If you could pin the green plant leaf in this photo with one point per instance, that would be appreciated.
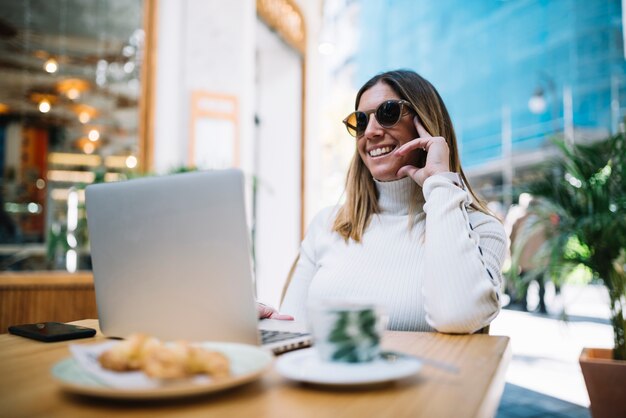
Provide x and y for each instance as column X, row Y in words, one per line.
column 581, row 203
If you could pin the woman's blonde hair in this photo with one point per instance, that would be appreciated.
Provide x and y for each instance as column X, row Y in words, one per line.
column 354, row 215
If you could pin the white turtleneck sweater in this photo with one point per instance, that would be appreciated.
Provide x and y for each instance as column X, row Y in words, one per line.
column 444, row 274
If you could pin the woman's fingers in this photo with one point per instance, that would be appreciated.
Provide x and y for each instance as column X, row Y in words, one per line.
column 423, row 141
column 421, row 131
column 282, row 317
column 265, row 312
column 437, row 155
column 413, row 145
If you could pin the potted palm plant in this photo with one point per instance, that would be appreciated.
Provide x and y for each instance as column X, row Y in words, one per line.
column 581, row 199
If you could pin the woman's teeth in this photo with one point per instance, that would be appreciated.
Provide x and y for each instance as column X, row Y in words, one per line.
column 380, row 151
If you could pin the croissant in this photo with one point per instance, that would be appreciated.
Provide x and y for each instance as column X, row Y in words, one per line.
column 164, row 361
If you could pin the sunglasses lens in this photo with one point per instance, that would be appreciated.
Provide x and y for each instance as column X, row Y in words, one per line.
column 388, row 113
column 350, row 123
column 356, row 123
column 361, row 122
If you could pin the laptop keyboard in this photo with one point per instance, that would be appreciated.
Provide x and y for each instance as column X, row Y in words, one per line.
column 269, row 337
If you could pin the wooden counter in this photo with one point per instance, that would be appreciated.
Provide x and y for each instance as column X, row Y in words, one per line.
column 45, row 296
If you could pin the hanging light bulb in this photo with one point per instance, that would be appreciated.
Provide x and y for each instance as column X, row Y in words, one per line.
column 84, row 117
column 73, row 94
column 89, row 148
column 326, row 45
column 129, row 67
column 84, row 113
column 94, row 135
column 537, row 102
column 51, row 66
column 131, row 161
column 44, row 106
column 72, row 88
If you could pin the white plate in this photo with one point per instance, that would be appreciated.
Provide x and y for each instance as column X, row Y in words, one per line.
column 306, row 366
column 247, row 364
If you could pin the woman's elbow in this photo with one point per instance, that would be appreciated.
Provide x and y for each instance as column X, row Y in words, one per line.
column 464, row 321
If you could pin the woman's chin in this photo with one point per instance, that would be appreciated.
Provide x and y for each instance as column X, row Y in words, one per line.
column 386, row 168
column 386, row 175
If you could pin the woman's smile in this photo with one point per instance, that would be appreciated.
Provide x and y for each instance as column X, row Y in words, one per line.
column 381, row 151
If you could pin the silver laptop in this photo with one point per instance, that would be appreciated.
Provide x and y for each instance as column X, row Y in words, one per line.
column 171, row 258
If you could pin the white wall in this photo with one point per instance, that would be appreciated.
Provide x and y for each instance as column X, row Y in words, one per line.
column 201, row 45
column 278, row 93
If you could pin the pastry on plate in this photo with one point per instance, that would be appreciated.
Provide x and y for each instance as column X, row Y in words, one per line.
column 164, row 360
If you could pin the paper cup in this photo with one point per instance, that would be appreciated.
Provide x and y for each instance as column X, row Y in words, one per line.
column 347, row 332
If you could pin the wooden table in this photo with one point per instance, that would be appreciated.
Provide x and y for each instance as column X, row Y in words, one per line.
column 27, row 388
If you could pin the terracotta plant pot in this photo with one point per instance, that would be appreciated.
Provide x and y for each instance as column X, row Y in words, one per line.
column 605, row 379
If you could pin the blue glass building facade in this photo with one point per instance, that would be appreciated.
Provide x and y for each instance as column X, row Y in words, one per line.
column 485, row 56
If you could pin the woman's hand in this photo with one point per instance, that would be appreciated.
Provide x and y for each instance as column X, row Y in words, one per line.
column 267, row 312
column 437, row 155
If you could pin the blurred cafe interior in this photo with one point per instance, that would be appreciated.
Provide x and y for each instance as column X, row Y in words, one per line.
column 110, row 90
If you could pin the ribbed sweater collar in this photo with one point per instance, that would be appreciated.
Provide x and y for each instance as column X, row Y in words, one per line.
column 394, row 196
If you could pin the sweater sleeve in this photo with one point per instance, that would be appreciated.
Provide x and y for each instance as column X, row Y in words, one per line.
column 295, row 302
column 464, row 253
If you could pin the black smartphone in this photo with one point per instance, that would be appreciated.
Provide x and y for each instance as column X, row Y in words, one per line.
column 52, row 331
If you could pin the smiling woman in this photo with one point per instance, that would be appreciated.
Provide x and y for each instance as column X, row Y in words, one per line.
column 73, row 110
column 411, row 237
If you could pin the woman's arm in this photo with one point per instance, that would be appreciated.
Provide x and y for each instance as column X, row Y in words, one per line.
column 463, row 260
column 295, row 301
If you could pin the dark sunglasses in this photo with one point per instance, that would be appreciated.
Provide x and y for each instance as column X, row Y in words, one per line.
column 388, row 113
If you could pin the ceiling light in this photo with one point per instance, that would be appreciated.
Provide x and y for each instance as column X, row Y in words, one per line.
column 537, row 102
column 33, row 207
column 89, row 148
column 44, row 106
column 51, row 66
column 94, row 135
column 84, row 116
column 128, row 51
column 131, row 161
column 86, row 146
column 72, row 87
column 43, row 101
column 73, row 94
column 84, row 112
